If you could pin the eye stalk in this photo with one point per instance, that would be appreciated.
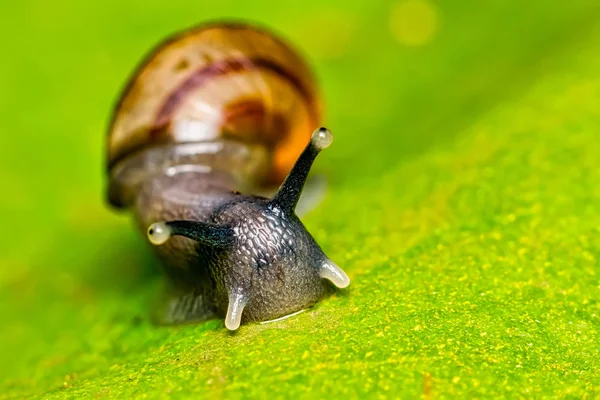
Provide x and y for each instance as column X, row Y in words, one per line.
column 203, row 232
column 289, row 192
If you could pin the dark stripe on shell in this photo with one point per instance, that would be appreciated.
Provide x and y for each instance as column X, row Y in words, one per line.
column 222, row 68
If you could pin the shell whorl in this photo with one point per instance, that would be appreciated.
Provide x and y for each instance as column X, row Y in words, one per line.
column 218, row 82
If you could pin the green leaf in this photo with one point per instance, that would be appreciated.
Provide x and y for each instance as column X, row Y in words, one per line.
column 463, row 203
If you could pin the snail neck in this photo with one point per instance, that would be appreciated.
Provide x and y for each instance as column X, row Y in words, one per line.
column 182, row 192
column 229, row 164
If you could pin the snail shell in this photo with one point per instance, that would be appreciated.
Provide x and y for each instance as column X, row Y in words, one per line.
column 226, row 95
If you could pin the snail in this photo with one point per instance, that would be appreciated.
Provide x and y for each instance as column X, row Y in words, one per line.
column 213, row 112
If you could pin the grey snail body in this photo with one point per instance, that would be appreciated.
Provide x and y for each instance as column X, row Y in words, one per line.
column 215, row 111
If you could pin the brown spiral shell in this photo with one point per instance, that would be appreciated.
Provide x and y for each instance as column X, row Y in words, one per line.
column 218, row 81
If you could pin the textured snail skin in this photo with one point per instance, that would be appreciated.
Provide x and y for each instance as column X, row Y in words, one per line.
column 271, row 259
column 226, row 254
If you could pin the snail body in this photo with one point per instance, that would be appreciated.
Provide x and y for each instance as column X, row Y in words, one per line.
column 213, row 112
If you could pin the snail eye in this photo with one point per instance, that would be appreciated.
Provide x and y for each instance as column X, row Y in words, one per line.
column 322, row 138
column 159, row 233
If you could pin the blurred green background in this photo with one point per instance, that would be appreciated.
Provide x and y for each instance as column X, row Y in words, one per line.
column 463, row 204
